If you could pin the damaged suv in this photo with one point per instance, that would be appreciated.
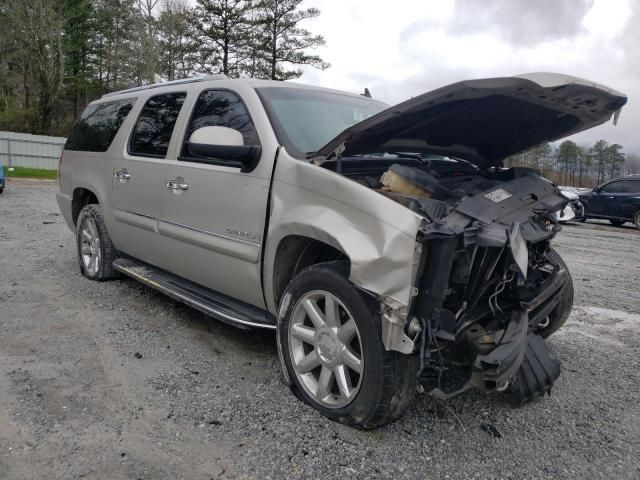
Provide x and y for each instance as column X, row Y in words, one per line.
column 386, row 245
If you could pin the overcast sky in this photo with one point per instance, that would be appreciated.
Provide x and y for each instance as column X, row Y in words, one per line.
column 399, row 49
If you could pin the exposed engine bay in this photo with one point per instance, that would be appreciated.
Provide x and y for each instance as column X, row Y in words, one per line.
column 489, row 287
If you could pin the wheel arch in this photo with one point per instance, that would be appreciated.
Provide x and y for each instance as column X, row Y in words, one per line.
column 294, row 253
column 79, row 199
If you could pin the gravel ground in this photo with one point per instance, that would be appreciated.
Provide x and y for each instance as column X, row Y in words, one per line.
column 113, row 380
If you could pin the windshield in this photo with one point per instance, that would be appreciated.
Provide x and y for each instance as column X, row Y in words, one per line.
column 305, row 120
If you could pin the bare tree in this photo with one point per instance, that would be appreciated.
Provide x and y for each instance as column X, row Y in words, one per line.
column 631, row 165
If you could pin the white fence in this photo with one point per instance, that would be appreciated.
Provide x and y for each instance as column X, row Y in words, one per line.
column 32, row 151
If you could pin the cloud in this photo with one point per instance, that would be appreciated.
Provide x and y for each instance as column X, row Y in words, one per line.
column 402, row 49
column 521, row 22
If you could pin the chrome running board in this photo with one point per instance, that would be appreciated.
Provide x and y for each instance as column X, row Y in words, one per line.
column 214, row 304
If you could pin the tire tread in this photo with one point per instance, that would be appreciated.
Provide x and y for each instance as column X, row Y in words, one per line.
column 561, row 313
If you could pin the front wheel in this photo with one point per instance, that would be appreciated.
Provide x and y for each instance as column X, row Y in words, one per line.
column 636, row 220
column 330, row 344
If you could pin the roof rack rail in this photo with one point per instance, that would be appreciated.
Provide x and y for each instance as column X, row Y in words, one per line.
column 217, row 76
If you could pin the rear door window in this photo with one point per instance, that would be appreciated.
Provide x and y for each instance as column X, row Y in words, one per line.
column 220, row 108
column 98, row 125
column 152, row 132
column 630, row 186
column 614, row 187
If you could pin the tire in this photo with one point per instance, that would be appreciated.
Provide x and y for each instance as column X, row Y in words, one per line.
column 560, row 314
column 383, row 389
column 616, row 223
column 636, row 220
column 583, row 217
column 96, row 253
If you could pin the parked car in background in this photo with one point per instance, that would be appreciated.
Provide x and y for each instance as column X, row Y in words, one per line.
column 1, row 179
column 617, row 201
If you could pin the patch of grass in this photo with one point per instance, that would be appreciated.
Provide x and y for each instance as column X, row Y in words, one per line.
column 24, row 172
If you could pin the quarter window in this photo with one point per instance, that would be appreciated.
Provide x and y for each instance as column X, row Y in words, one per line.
column 98, row 125
column 152, row 132
column 221, row 108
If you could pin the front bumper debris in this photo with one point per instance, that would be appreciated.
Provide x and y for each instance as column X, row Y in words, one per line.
column 492, row 370
column 538, row 370
column 485, row 287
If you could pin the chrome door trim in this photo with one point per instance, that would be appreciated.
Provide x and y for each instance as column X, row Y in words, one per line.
column 213, row 234
column 140, row 214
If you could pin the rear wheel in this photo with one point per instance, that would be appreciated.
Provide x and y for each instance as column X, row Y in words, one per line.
column 616, row 223
column 636, row 220
column 558, row 317
column 330, row 344
column 96, row 253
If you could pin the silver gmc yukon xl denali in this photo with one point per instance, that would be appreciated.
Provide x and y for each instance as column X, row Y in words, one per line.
column 386, row 245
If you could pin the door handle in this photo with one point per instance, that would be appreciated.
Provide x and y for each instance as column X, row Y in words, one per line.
column 122, row 175
column 177, row 184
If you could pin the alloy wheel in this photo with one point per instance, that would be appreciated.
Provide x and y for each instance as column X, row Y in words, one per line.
column 90, row 246
column 326, row 349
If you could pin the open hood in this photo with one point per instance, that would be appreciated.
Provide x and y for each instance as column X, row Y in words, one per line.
column 482, row 121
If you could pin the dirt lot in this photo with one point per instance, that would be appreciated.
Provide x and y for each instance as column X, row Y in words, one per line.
column 113, row 380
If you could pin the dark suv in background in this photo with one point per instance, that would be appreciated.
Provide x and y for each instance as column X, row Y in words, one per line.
column 617, row 201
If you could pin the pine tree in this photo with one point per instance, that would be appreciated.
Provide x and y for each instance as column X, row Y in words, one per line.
column 177, row 50
column 283, row 42
column 600, row 156
column 224, row 35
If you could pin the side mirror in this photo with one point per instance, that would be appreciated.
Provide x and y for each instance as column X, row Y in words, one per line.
column 223, row 143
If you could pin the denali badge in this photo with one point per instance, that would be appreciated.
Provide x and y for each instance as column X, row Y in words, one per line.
column 240, row 233
column 498, row 195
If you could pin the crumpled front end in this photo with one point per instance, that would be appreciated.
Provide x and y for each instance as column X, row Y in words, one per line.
column 488, row 286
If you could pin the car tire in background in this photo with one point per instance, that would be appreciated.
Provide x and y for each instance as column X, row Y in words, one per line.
column 558, row 317
column 636, row 220
column 96, row 253
column 616, row 223
column 583, row 217
column 330, row 345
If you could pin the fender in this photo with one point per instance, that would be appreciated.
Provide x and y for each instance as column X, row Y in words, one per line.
column 377, row 234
